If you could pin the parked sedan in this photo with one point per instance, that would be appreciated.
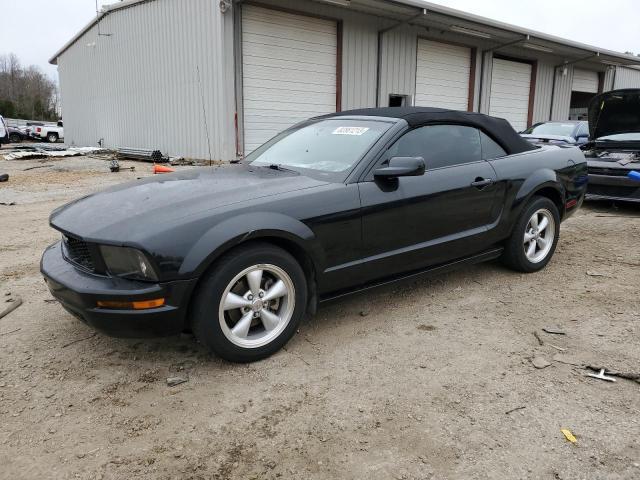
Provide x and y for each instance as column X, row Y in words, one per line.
column 614, row 121
column 336, row 204
column 570, row 132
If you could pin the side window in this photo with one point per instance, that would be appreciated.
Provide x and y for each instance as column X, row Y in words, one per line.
column 490, row 149
column 440, row 145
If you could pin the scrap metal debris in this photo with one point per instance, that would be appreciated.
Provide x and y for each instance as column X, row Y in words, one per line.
column 601, row 376
column 154, row 156
column 626, row 375
column 45, row 151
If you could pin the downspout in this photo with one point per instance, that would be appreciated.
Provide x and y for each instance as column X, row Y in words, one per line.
column 423, row 12
column 493, row 49
column 555, row 76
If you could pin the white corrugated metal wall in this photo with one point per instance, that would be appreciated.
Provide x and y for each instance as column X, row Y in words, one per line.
column 139, row 86
column 162, row 42
column 627, row 78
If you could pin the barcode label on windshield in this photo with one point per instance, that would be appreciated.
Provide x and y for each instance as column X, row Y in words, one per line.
column 350, row 130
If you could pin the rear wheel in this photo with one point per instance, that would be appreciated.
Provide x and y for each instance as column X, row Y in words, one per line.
column 534, row 237
column 52, row 137
column 15, row 138
column 250, row 303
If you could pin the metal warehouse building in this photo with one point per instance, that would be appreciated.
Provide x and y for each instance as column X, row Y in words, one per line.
column 209, row 78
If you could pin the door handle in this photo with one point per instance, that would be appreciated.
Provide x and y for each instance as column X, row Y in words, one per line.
column 480, row 182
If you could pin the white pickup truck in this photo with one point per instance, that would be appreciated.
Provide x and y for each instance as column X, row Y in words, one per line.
column 52, row 133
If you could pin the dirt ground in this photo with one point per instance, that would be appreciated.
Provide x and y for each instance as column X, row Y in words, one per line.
column 413, row 381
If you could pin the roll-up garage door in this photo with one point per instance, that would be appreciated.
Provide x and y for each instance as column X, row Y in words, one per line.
column 585, row 81
column 510, row 87
column 289, row 71
column 442, row 75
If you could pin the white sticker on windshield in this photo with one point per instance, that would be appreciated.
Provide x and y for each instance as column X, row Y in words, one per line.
column 350, row 130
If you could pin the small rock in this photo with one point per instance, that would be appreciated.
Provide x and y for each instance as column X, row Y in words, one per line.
column 553, row 330
column 80, row 455
column 540, row 362
column 177, row 380
column 426, row 328
column 364, row 313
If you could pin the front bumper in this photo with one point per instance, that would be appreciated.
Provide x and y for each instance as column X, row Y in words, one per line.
column 79, row 292
column 613, row 187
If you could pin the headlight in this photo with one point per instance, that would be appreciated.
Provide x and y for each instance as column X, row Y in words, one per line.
column 127, row 262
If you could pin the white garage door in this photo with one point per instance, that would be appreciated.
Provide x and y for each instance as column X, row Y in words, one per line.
column 288, row 71
column 442, row 75
column 510, row 86
column 585, row 81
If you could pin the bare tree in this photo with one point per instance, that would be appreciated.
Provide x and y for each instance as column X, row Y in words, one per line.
column 26, row 92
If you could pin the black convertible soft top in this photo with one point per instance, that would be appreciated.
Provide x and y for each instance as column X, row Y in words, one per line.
column 497, row 128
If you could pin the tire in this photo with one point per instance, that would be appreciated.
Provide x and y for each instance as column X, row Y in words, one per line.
column 519, row 253
column 52, row 137
column 247, row 329
column 15, row 138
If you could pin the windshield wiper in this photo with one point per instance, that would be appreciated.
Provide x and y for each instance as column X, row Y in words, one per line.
column 280, row 168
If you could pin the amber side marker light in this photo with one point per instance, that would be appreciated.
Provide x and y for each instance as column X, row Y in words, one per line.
column 142, row 305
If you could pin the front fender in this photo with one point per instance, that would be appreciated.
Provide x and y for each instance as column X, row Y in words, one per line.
column 249, row 226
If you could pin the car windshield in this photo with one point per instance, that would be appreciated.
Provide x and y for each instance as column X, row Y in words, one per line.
column 622, row 137
column 330, row 146
column 552, row 128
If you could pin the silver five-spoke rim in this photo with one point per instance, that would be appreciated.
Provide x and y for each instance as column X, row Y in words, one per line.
column 539, row 235
column 257, row 306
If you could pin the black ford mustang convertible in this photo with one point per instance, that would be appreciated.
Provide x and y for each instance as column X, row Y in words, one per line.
column 336, row 204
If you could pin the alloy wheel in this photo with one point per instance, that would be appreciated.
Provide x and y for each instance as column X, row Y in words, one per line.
column 539, row 235
column 257, row 306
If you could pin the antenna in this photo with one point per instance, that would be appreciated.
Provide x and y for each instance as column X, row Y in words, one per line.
column 204, row 113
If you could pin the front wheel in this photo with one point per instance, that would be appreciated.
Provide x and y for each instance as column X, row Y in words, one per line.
column 250, row 303
column 535, row 236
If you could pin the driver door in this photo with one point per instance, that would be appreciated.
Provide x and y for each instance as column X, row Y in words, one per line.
column 410, row 223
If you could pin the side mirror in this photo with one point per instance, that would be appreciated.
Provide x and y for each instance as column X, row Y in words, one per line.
column 401, row 167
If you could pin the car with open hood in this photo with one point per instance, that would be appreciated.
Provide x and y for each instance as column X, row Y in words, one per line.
column 333, row 205
column 614, row 147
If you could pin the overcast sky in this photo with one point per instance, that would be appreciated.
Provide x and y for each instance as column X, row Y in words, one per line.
column 35, row 29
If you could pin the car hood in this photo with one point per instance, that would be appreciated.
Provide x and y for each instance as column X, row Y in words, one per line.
column 135, row 210
column 617, row 111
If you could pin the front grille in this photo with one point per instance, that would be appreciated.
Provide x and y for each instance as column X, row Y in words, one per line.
column 78, row 252
column 611, row 172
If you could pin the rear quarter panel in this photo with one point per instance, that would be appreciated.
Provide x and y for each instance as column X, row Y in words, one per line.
column 563, row 169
